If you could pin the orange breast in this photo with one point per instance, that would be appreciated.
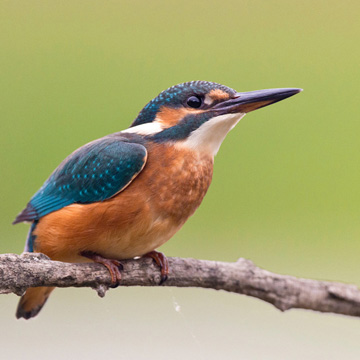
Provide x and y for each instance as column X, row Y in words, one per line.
column 139, row 219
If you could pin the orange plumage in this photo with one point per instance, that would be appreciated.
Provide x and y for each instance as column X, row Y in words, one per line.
column 132, row 223
column 137, row 220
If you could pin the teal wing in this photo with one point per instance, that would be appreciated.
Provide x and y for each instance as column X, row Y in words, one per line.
column 94, row 172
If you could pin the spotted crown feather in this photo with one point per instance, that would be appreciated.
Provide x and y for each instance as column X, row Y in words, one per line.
column 175, row 96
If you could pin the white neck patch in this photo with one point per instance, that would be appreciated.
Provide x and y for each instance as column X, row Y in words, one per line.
column 151, row 128
column 209, row 136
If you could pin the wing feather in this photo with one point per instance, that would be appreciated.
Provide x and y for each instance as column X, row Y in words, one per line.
column 95, row 172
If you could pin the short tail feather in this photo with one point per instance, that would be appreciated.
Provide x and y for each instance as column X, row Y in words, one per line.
column 32, row 302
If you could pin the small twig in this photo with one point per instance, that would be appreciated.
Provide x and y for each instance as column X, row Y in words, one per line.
column 19, row 272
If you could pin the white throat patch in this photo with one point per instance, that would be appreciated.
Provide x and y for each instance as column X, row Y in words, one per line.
column 209, row 136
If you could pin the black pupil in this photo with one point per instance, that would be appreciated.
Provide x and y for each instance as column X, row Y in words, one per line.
column 194, row 101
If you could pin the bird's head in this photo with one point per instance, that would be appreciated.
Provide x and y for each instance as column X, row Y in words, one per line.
column 199, row 114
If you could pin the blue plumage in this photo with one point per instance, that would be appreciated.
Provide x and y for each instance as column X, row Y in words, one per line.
column 175, row 97
column 29, row 244
column 95, row 172
column 181, row 130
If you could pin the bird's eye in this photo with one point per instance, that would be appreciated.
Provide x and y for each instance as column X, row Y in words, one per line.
column 194, row 102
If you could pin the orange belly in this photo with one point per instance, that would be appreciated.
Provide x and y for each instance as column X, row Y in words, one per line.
column 137, row 220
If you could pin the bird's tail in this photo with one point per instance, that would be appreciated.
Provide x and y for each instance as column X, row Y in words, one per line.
column 32, row 302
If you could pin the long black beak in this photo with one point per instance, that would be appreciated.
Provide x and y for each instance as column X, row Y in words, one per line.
column 252, row 100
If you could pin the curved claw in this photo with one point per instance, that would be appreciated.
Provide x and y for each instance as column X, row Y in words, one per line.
column 114, row 266
column 161, row 261
column 163, row 279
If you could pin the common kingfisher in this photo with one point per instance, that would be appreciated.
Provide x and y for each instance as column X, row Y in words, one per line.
column 126, row 194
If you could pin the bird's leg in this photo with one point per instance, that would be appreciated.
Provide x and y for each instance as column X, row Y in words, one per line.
column 162, row 261
column 114, row 266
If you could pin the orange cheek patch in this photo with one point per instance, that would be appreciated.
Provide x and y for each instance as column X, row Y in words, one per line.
column 169, row 117
column 218, row 94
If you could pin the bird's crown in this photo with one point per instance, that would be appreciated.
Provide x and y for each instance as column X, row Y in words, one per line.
column 189, row 95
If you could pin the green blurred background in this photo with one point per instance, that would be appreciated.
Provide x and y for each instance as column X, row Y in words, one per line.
column 285, row 192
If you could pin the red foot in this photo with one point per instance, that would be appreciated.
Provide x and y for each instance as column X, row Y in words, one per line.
column 114, row 266
column 162, row 262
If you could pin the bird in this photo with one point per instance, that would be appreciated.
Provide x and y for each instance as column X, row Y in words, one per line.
column 124, row 195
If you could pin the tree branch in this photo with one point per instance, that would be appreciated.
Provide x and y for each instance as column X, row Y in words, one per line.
column 18, row 272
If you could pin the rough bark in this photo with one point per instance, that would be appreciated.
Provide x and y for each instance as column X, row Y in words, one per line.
column 18, row 272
